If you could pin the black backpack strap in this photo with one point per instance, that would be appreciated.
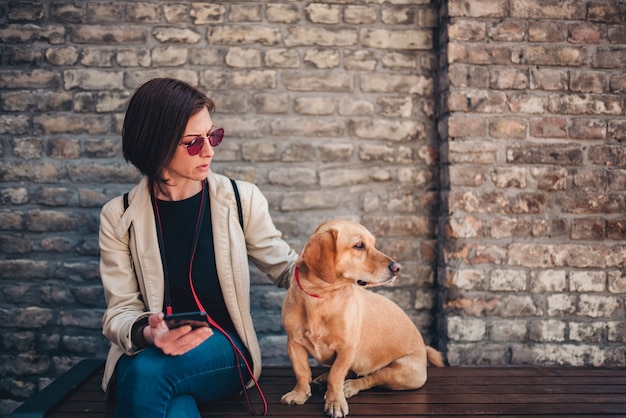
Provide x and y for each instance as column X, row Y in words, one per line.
column 239, row 210
column 125, row 201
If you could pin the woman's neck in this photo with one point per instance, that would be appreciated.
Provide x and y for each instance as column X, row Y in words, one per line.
column 179, row 191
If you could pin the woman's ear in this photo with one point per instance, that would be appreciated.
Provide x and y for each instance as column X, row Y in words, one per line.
column 319, row 255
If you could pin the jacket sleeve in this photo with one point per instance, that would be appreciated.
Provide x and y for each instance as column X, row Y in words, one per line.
column 121, row 289
column 265, row 246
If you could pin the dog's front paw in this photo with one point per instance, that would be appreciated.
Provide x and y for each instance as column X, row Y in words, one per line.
column 295, row 397
column 336, row 408
column 350, row 388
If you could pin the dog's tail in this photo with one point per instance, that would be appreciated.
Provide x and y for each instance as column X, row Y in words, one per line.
column 434, row 357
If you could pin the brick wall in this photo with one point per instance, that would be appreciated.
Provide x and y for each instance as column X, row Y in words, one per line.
column 360, row 109
column 327, row 106
column 534, row 242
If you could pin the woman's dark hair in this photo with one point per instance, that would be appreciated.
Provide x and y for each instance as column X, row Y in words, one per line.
column 155, row 122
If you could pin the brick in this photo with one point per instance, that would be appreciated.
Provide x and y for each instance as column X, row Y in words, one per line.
column 554, row 154
column 245, row 13
column 466, row 279
column 606, row 12
column 300, row 126
column 313, row 36
column 391, row 130
column 365, row 61
column 468, row 76
column 585, row 104
column 547, row 331
column 548, row 127
column 466, row 329
column 549, row 228
column 608, row 155
column 322, row 59
column 359, row 14
column 508, row 79
column 583, row 33
column 508, row 31
column 478, row 8
column 548, row 79
column 583, row 128
column 588, row 81
column 616, row 282
column 549, row 55
column 588, row 229
column 175, row 13
column 109, row 35
column 472, row 152
column 468, row 227
column 483, row 101
column 618, row 83
column 282, row 13
column 463, row 126
column 271, row 103
column 509, row 227
column 587, row 281
column 609, row 57
column 550, row 178
column 176, row 35
column 323, row 13
column 69, row 124
column 527, row 103
column 14, row 34
column 549, row 281
column 586, row 332
column 509, row 177
column 409, row 39
column 135, row 58
column 317, row 82
column 591, row 203
column 398, row 15
column 590, row 178
column 26, row 171
column 102, row 12
column 31, row 80
column 282, row 58
column 380, row 83
column 14, row 124
column 207, row 14
column 467, row 30
column 616, row 229
column 617, row 130
column 169, row 56
column 238, row 80
column 549, row 9
column 507, row 281
column 62, row 56
column 508, row 330
column 301, row 201
column 561, row 304
column 547, row 31
column 508, row 128
column 598, row 306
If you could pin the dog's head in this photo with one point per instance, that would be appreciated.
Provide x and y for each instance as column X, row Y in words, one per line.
column 345, row 251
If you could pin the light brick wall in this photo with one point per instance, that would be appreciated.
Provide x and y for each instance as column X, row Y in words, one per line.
column 361, row 109
column 534, row 245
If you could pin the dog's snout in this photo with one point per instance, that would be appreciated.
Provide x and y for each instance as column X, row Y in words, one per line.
column 394, row 267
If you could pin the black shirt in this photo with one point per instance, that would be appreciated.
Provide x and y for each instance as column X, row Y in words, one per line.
column 178, row 222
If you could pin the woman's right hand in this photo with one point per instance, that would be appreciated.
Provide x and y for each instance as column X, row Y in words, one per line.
column 176, row 341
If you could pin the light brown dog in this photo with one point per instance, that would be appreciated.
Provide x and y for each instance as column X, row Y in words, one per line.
column 329, row 314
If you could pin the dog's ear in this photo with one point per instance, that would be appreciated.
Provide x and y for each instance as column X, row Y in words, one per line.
column 319, row 254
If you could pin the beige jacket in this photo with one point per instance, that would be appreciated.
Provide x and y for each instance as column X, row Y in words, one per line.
column 132, row 272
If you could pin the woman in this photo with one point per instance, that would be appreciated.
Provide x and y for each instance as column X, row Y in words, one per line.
column 179, row 247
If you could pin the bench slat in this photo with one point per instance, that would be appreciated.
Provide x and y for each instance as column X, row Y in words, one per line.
column 449, row 392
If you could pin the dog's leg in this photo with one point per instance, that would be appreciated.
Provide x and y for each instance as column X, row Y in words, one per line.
column 335, row 404
column 299, row 357
column 403, row 374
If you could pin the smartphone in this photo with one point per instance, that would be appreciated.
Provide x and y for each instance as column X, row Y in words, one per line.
column 194, row 319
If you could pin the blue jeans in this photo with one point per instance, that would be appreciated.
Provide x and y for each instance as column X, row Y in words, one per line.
column 155, row 385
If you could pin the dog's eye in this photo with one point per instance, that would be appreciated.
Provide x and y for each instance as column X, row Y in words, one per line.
column 359, row 246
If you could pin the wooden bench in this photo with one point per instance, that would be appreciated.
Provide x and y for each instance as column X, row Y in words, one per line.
column 449, row 392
